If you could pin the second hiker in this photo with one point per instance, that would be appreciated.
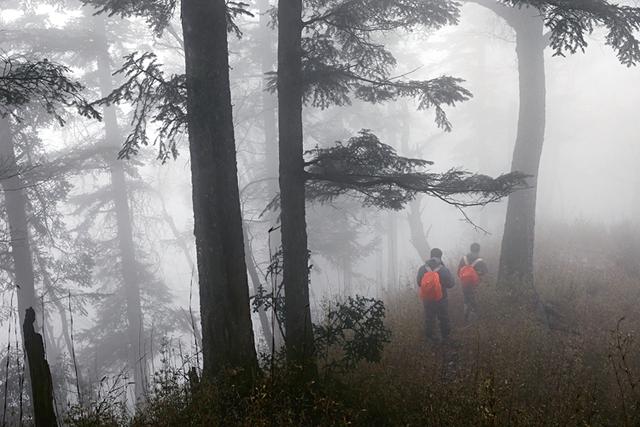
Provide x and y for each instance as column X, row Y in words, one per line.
column 470, row 271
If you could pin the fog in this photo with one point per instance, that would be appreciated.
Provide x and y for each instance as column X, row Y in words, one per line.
column 80, row 201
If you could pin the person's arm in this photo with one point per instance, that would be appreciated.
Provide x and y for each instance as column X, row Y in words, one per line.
column 481, row 268
column 446, row 278
column 420, row 274
column 460, row 265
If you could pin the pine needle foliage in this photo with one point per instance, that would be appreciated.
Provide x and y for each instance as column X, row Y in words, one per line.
column 157, row 13
column 570, row 22
column 372, row 171
column 156, row 98
column 342, row 59
column 41, row 82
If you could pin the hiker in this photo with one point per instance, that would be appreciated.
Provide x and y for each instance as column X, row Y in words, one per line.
column 433, row 281
column 470, row 272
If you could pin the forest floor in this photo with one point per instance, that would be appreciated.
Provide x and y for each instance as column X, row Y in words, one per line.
column 507, row 368
column 576, row 365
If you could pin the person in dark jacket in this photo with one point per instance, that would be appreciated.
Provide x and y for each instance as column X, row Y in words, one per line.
column 469, row 293
column 437, row 309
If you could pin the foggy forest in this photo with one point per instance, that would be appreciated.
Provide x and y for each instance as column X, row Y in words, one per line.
column 319, row 212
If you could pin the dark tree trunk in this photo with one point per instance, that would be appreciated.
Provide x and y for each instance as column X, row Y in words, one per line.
column 227, row 334
column 126, row 247
column 41, row 385
column 516, row 258
column 417, row 234
column 299, row 334
column 15, row 200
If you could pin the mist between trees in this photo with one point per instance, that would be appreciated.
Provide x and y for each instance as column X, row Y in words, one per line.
column 213, row 212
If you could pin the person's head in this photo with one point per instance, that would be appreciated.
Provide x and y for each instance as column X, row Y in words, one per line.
column 475, row 248
column 436, row 253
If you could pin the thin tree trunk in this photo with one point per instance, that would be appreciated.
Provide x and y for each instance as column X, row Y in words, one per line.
column 347, row 275
column 168, row 219
column 128, row 266
column 255, row 280
column 405, row 129
column 418, row 236
column 381, row 286
column 15, row 200
column 269, row 101
column 227, row 333
column 392, row 250
column 299, row 334
column 516, row 258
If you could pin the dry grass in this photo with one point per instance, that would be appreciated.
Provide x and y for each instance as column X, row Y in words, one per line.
column 509, row 368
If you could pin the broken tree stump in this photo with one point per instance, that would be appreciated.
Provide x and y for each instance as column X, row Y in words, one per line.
column 41, row 384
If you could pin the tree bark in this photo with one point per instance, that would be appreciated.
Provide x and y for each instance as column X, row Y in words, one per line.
column 299, row 334
column 227, row 334
column 41, row 384
column 516, row 258
column 124, row 227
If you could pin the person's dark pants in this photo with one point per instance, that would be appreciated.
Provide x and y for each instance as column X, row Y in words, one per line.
column 470, row 303
column 436, row 310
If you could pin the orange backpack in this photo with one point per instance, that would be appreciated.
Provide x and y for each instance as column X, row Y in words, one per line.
column 430, row 287
column 468, row 275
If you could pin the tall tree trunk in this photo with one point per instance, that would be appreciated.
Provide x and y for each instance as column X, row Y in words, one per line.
column 126, row 247
column 516, row 258
column 269, row 125
column 227, row 333
column 299, row 334
column 269, row 102
column 15, row 200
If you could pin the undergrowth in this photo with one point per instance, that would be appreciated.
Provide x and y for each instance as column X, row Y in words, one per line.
column 578, row 367
column 507, row 369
